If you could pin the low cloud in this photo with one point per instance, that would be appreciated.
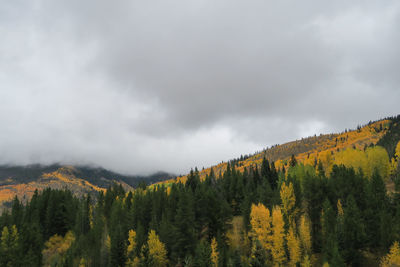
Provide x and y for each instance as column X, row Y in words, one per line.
column 139, row 87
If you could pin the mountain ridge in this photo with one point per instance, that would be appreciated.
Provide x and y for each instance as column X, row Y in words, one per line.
column 384, row 132
column 22, row 181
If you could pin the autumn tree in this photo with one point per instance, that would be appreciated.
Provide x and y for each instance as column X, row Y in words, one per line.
column 157, row 251
column 305, row 238
column 288, row 202
column 294, row 248
column 278, row 238
column 393, row 257
column 130, row 250
column 260, row 221
column 214, row 252
column 56, row 248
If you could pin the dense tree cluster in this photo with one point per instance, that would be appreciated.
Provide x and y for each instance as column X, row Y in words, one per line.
column 300, row 216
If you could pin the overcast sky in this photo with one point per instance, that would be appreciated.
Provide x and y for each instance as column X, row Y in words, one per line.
column 142, row 86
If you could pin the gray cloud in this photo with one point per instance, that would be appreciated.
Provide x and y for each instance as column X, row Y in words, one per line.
column 144, row 86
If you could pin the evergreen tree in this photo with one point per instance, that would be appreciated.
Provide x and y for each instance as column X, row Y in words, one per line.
column 354, row 233
column 202, row 255
column 10, row 249
column 184, row 235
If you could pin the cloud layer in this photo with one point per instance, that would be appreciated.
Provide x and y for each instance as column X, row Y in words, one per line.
column 167, row 85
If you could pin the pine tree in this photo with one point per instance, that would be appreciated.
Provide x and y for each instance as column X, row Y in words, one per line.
column 354, row 233
column 10, row 253
column 202, row 255
column 293, row 161
column 184, row 228
column 258, row 257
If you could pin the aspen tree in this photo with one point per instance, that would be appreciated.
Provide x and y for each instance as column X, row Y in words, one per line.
column 214, row 252
column 393, row 257
column 157, row 250
column 260, row 221
column 288, row 201
column 278, row 238
column 293, row 244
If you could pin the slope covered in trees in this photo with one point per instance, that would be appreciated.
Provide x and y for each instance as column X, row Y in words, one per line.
column 22, row 181
column 322, row 148
column 259, row 217
column 333, row 211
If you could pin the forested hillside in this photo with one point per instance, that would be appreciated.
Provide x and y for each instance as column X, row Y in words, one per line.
column 22, row 181
column 338, row 210
column 322, row 148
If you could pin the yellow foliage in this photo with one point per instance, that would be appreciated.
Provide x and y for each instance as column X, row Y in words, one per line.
column 305, row 234
column 293, row 244
column 9, row 239
column 377, row 158
column 393, row 258
column 235, row 233
column 326, row 159
column 56, row 248
column 108, row 242
column 397, row 151
column 278, row 238
column 306, row 261
column 340, row 208
column 393, row 167
column 82, row 263
column 352, row 158
column 131, row 248
column 373, row 158
column 306, row 150
column 157, row 250
column 214, row 252
column 260, row 221
column 325, row 264
column 288, row 201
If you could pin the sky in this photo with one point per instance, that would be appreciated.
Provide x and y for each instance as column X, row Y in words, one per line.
column 143, row 86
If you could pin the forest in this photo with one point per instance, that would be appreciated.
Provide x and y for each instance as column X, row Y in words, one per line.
column 303, row 215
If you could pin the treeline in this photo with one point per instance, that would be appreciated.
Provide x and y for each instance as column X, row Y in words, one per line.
column 260, row 217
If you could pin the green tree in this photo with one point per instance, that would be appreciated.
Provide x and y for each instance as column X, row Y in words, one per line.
column 10, row 253
column 202, row 255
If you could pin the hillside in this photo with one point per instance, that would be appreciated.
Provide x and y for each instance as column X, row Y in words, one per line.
column 336, row 209
column 22, row 181
column 310, row 150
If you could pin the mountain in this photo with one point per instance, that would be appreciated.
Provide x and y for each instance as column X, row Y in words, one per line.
column 311, row 150
column 323, row 200
column 22, row 181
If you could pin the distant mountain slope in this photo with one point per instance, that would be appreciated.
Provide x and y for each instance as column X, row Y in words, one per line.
column 312, row 149
column 24, row 180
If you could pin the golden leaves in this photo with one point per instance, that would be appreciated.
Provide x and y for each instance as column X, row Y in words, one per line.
column 157, row 250
column 214, row 252
column 260, row 221
column 393, row 257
